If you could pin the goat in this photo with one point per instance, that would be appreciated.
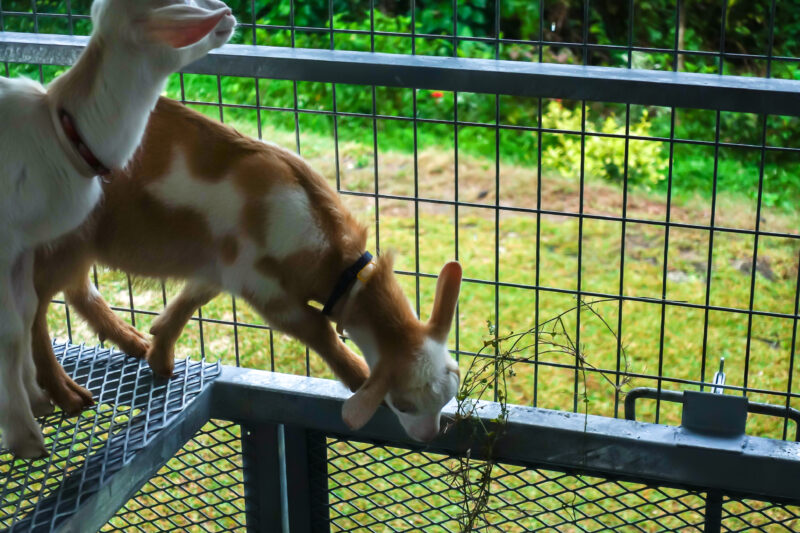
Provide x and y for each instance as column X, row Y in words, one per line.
column 202, row 203
column 56, row 142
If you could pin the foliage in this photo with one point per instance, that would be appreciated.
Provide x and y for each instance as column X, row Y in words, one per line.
column 602, row 157
column 487, row 377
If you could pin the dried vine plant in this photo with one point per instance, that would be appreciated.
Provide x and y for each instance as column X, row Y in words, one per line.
column 487, row 378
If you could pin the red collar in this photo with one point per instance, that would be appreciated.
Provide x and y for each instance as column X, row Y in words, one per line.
column 68, row 125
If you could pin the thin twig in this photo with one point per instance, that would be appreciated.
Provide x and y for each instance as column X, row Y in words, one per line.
column 473, row 477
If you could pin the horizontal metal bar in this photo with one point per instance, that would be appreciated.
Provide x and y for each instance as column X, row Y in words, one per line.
column 757, row 408
column 603, row 84
column 625, row 449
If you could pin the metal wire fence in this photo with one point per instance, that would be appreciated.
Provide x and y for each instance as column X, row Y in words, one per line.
column 680, row 220
column 690, row 250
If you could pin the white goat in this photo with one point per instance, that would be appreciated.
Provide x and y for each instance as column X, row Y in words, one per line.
column 53, row 144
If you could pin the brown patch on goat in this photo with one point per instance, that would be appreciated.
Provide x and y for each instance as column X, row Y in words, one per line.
column 229, row 249
column 382, row 305
column 269, row 267
column 253, row 220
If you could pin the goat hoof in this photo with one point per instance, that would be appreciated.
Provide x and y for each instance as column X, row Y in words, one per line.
column 42, row 408
column 27, row 444
column 161, row 361
column 71, row 397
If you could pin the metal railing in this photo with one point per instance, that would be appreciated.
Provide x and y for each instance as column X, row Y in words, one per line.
column 287, row 462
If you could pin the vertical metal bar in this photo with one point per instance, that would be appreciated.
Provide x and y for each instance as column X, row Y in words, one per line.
column 36, row 30
column 497, row 381
column 130, row 300
column 297, row 132
column 375, row 134
column 713, row 512
column 623, row 225
column 585, row 31
column 771, row 43
column 721, row 66
column 319, row 495
column 792, row 352
column 580, row 217
column 261, row 477
column 456, row 224
column 202, row 336
column 666, row 227
column 665, row 265
column 294, row 82
column 416, row 159
column 710, row 259
column 235, row 332
column 97, row 286
column 219, row 99
column 335, row 108
column 69, row 321
column 537, row 280
column 69, row 17
column 298, row 488
column 753, row 267
column 256, row 80
column 676, row 53
column 271, row 350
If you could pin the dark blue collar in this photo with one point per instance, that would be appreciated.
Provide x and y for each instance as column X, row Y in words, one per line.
column 345, row 280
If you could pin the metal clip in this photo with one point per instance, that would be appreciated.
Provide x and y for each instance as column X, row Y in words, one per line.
column 719, row 378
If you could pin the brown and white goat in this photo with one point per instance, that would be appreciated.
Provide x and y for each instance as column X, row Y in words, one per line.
column 53, row 144
column 204, row 204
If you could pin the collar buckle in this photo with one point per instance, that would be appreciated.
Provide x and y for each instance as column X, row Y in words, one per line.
column 361, row 270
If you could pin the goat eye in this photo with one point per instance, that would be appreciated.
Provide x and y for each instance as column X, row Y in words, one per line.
column 405, row 408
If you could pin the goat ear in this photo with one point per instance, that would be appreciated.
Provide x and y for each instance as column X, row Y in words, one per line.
column 444, row 303
column 361, row 406
column 182, row 25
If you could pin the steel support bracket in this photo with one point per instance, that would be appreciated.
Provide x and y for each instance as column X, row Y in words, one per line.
column 713, row 421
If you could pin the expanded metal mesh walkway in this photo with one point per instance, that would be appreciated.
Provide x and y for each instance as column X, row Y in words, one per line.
column 96, row 457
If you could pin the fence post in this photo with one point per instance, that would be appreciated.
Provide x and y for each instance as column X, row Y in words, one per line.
column 713, row 512
column 317, row 446
column 262, row 477
column 306, row 480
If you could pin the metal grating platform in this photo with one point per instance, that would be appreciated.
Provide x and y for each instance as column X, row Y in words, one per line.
column 86, row 452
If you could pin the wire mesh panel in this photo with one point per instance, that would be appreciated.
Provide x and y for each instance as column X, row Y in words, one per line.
column 679, row 223
column 382, row 488
column 84, row 453
column 200, row 489
column 753, row 515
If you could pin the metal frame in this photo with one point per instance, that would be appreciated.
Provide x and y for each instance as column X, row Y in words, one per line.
column 765, row 468
column 545, row 80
